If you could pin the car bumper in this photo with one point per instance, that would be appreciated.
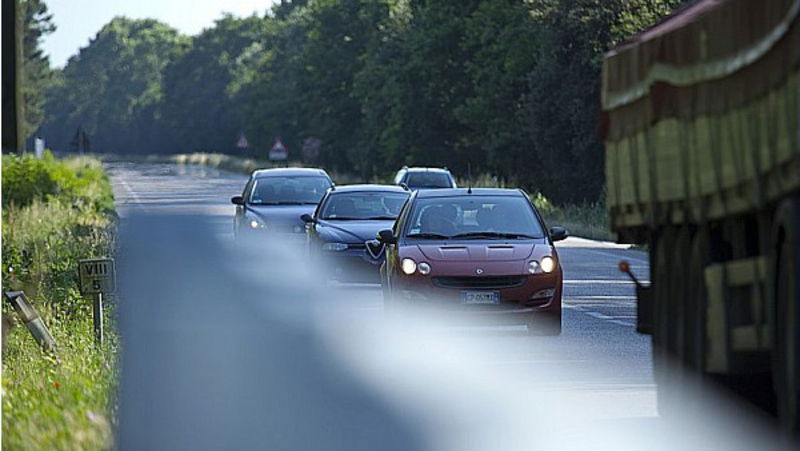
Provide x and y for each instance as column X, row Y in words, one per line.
column 276, row 236
column 534, row 294
column 353, row 265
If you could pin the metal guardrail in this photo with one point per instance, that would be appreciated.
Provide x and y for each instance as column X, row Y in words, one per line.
column 30, row 317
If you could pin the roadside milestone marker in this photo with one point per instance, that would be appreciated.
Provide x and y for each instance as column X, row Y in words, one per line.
column 97, row 276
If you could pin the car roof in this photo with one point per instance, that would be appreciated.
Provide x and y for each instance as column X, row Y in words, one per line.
column 453, row 192
column 369, row 187
column 426, row 169
column 282, row 172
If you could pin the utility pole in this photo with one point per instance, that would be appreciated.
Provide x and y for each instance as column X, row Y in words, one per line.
column 13, row 103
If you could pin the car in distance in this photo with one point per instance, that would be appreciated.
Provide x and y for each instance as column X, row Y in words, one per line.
column 424, row 178
column 274, row 199
column 345, row 220
column 475, row 250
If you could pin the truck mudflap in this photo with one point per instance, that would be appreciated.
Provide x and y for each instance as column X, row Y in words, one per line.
column 644, row 310
column 644, row 302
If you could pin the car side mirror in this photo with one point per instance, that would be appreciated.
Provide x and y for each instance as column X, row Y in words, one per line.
column 386, row 236
column 237, row 200
column 307, row 218
column 558, row 233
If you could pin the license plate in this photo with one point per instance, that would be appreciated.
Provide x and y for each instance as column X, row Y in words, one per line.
column 480, row 297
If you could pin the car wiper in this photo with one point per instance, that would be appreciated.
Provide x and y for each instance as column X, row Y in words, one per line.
column 429, row 236
column 342, row 218
column 493, row 235
column 387, row 218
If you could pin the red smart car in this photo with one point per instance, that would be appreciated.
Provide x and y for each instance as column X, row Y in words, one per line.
column 475, row 250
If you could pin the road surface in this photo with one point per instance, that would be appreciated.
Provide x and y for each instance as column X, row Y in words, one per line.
column 228, row 345
column 598, row 350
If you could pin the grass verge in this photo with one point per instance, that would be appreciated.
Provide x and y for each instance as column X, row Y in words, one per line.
column 56, row 212
column 587, row 220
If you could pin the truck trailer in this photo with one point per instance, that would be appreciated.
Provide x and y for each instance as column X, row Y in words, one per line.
column 701, row 123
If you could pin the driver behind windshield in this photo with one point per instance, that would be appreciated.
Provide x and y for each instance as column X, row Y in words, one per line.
column 367, row 205
column 475, row 217
column 288, row 190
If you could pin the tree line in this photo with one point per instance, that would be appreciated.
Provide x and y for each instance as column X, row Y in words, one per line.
column 507, row 87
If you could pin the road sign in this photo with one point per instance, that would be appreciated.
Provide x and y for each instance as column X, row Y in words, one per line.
column 97, row 276
column 242, row 142
column 278, row 151
column 311, row 149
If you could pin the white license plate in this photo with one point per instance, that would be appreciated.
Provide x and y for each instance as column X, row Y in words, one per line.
column 480, row 297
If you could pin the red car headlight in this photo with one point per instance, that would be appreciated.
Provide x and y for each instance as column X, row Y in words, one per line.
column 408, row 266
column 548, row 264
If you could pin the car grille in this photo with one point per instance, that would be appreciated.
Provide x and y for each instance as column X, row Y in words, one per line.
column 285, row 228
column 479, row 282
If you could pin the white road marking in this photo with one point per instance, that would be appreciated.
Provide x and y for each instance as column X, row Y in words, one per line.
column 620, row 257
column 603, row 297
column 601, row 282
column 598, row 315
column 137, row 201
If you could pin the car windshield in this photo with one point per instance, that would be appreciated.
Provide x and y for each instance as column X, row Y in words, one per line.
column 288, row 190
column 474, row 217
column 363, row 205
column 417, row 180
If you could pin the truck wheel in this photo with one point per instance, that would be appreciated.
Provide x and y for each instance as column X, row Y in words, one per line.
column 786, row 361
column 696, row 312
column 680, row 297
column 660, row 257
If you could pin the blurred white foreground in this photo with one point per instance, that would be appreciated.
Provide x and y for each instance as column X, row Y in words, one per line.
column 244, row 346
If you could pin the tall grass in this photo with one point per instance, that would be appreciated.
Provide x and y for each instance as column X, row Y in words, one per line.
column 587, row 220
column 62, row 400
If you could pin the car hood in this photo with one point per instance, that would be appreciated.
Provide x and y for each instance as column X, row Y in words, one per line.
column 352, row 231
column 478, row 252
column 286, row 215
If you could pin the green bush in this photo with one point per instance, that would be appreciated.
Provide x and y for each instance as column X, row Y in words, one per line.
column 26, row 179
column 79, row 181
column 56, row 212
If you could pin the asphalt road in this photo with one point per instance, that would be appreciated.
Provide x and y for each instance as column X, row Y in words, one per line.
column 231, row 345
column 598, row 353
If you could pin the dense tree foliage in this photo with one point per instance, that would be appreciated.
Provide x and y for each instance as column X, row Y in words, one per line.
column 113, row 89
column 197, row 106
column 36, row 73
column 509, row 87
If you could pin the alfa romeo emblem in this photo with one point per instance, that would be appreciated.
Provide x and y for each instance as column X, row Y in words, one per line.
column 479, row 271
column 375, row 248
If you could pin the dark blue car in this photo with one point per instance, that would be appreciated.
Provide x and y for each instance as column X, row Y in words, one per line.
column 274, row 200
column 342, row 229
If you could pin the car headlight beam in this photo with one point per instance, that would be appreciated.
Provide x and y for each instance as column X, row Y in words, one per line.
column 408, row 266
column 256, row 225
column 548, row 264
